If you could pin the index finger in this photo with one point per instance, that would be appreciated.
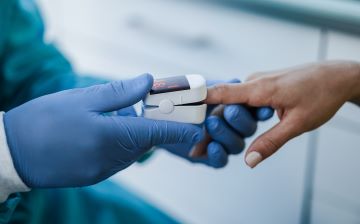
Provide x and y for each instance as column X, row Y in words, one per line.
column 229, row 93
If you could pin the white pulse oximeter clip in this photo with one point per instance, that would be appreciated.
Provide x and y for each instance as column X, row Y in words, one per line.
column 178, row 99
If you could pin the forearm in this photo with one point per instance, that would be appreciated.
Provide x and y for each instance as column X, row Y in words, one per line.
column 342, row 78
column 31, row 67
column 33, row 71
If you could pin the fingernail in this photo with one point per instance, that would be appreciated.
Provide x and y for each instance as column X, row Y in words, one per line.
column 253, row 159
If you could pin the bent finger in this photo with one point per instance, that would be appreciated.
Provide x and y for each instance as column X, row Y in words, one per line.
column 240, row 119
column 223, row 134
column 270, row 142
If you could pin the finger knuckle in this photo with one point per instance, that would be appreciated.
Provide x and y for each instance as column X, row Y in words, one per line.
column 118, row 89
column 298, row 121
column 256, row 99
column 221, row 90
column 232, row 113
column 213, row 125
column 264, row 90
column 265, row 81
column 269, row 145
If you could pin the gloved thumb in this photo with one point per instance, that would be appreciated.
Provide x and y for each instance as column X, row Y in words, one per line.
column 115, row 95
column 269, row 142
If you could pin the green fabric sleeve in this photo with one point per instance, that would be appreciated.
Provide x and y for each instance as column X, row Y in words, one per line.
column 103, row 203
column 8, row 207
column 30, row 67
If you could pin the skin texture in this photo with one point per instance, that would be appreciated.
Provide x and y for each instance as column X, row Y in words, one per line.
column 304, row 97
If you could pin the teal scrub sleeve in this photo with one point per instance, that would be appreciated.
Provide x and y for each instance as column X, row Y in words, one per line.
column 30, row 67
column 8, row 207
column 103, row 203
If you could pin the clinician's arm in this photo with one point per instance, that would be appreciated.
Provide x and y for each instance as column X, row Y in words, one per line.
column 304, row 98
column 30, row 67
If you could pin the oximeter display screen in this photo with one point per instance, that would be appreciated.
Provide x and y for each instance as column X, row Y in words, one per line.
column 172, row 84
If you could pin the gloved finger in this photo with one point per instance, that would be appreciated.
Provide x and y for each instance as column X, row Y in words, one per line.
column 216, row 155
column 264, row 113
column 118, row 94
column 240, row 119
column 145, row 133
column 223, row 134
column 127, row 112
column 269, row 142
column 201, row 148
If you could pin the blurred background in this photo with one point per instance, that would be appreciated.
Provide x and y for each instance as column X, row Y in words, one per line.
column 313, row 179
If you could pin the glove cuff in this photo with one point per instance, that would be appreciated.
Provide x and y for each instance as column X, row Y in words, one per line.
column 10, row 182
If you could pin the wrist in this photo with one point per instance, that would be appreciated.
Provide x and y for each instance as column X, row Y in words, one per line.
column 355, row 84
column 10, row 181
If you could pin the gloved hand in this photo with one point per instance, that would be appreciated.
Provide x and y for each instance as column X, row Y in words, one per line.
column 66, row 139
column 226, row 127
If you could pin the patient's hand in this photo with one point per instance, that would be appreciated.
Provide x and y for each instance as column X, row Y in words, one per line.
column 225, row 128
column 304, row 98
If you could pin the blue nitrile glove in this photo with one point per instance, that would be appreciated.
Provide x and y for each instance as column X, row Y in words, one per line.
column 227, row 132
column 66, row 140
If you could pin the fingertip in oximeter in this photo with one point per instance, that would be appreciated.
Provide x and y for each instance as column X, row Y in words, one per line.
column 178, row 98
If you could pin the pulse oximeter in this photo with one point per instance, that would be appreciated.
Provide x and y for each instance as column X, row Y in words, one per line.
column 178, row 98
